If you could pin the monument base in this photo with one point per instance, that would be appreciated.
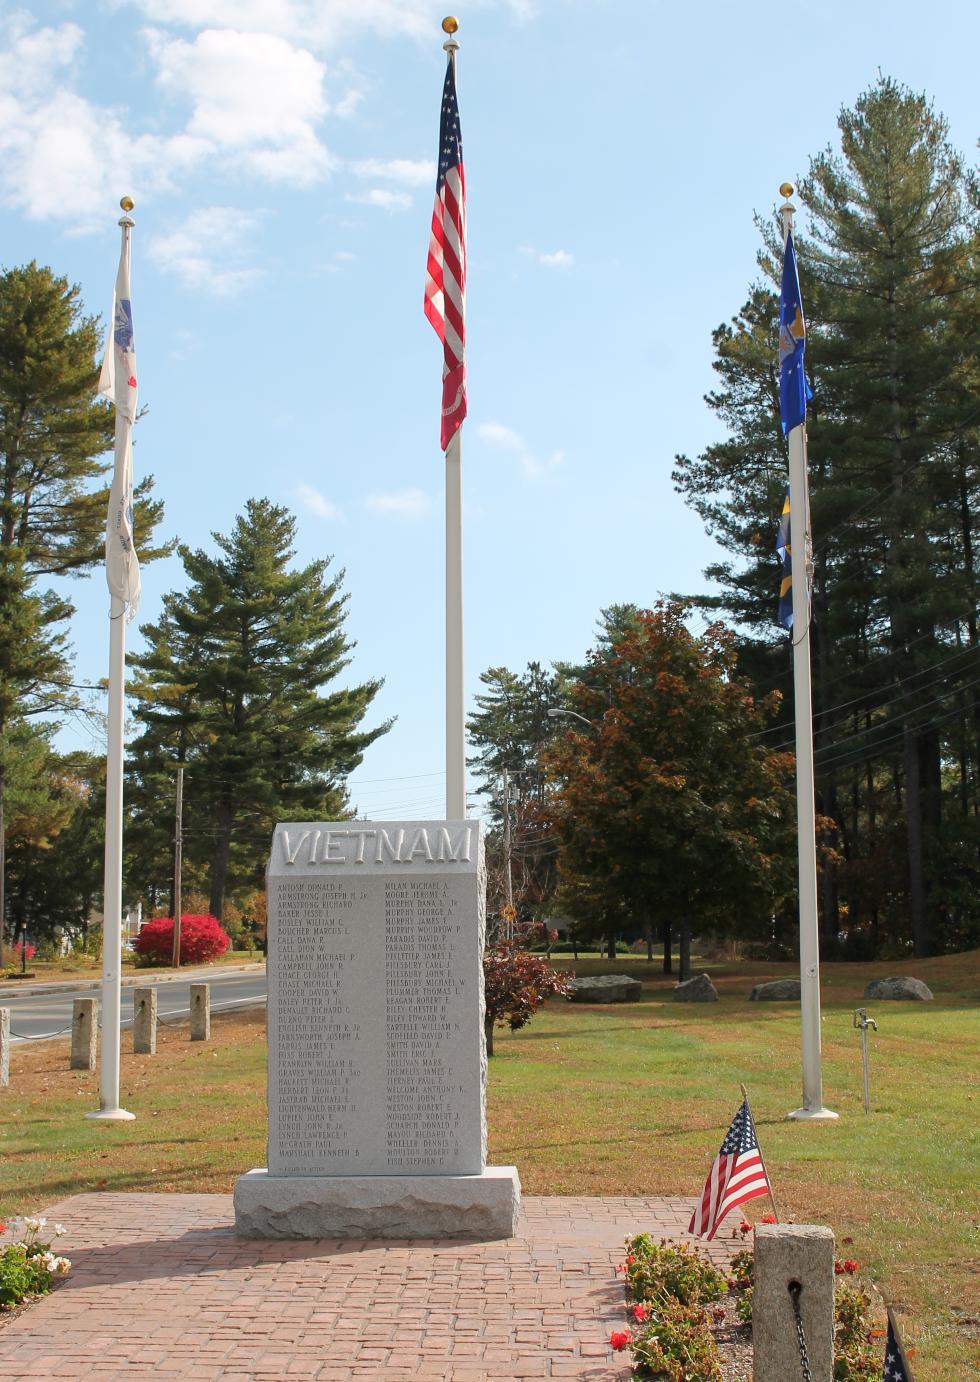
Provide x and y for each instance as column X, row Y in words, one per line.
column 483, row 1206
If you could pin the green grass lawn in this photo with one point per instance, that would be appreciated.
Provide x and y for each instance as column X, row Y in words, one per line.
column 627, row 1100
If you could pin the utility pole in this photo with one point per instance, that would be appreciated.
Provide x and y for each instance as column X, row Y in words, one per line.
column 508, row 881
column 178, row 860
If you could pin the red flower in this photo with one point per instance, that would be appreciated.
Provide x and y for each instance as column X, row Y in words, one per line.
column 744, row 1227
column 3, row 1228
column 848, row 1265
column 769, row 1219
column 718, row 1312
column 640, row 1312
column 620, row 1339
column 630, row 1259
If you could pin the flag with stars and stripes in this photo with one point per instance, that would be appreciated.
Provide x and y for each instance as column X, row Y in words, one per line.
column 738, row 1174
column 445, row 274
column 117, row 382
column 794, row 391
column 785, row 554
column 896, row 1364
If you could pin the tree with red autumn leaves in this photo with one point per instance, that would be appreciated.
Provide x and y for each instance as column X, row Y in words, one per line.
column 516, row 983
column 671, row 806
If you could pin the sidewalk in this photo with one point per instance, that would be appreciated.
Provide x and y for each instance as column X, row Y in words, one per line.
column 162, row 1288
column 195, row 973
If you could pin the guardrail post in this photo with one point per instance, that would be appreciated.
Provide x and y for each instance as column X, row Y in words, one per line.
column 84, row 1033
column 787, row 1254
column 200, row 1012
column 145, row 1021
column 4, row 1047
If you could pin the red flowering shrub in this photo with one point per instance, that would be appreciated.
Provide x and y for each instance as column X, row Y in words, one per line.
column 516, row 984
column 18, row 948
column 201, row 939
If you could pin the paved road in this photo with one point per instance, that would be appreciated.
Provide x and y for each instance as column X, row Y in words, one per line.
column 45, row 1014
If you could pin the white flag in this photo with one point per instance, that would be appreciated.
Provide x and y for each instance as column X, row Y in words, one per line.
column 118, row 382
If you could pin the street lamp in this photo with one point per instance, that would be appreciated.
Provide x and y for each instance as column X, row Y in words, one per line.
column 553, row 712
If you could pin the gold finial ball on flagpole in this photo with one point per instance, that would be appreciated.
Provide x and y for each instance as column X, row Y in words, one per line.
column 126, row 203
column 786, row 189
column 450, row 24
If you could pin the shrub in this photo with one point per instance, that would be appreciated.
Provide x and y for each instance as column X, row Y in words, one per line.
column 516, row 983
column 28, row 1267
column 671, row 1342
column 201, row 939
column 656, row 1271
column 19, row 948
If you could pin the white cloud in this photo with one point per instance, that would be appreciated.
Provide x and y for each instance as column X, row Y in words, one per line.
column 383, row 197
column 209, row 251
column 405, row 503
column 498, row 434
column 60, row 155
column 549, row 259
column 316, row 502
column 316, row 23
column 410, row 172
column 253, row 96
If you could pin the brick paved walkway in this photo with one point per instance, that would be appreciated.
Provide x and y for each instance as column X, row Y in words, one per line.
column 161, row 1287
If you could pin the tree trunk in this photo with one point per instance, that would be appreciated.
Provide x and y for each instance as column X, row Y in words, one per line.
column 914, row 837
column 665, row 936
column 648, row 932
column 3, row 859
column 610, row 947
column 488, row 1031
column 219, row 865
column 685, row 952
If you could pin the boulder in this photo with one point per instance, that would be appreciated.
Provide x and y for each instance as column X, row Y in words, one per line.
column 605, row 988
column 700, row 989
column 899, row 986
column 778, row 991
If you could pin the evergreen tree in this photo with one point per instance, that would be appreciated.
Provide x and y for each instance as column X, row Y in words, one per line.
column 889, row 274
column 53, row 504
column 232, row 683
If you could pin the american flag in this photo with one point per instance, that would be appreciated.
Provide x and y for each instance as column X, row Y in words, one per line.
column 445, row 274
column 738, row 1174
column 896, row 1366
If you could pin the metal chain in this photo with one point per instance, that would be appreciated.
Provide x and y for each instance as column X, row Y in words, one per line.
column 794, row 1290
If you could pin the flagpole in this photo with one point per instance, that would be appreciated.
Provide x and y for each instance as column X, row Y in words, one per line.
column 765, row 1169
column 109, row 1108
column 455, row 728
column 806, row 825
column 455, row 742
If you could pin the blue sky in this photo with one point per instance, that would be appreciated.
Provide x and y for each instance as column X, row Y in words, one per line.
column 281, row 155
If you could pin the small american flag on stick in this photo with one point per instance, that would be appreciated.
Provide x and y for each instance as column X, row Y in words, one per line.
column 738, row 1174
column 445, row 274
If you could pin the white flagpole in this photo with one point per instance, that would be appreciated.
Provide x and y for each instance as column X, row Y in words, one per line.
column 455, row 733
column 800, row 540
column 455, row 720
column 109, row 1108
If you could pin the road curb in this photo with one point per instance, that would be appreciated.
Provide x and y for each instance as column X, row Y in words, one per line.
column 149, row 976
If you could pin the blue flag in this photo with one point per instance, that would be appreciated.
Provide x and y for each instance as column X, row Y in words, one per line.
column 793, row 387
column 785, row 554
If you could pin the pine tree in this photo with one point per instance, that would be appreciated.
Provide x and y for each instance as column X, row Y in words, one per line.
column 889, row 277
column 53, row 502
column 232, row 683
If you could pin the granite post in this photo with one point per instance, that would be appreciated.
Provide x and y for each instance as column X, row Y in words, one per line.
column 377, row 1055
column 786, row 1253
column 200, row 1012
column 84, row 1033
column 145, row 1022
